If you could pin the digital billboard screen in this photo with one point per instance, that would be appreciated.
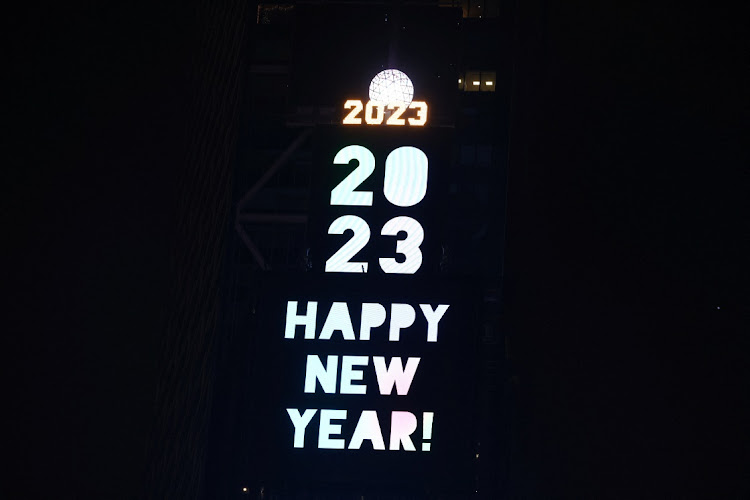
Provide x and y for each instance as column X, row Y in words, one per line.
column 363, row 368
column 368, row 384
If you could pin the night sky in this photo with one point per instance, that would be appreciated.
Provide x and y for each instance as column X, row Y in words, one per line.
column 624, row 260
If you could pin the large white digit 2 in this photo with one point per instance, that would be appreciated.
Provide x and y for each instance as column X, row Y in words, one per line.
column 405, row 182
column 344, row 193
column 339, row 262
column 408, row 247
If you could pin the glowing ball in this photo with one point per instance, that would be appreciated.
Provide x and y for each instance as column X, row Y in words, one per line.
column 391, row 86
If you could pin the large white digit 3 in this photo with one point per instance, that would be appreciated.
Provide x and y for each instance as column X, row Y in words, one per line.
column 344, row 193
column 408, row 247
column 405, row 182
column 339, row 261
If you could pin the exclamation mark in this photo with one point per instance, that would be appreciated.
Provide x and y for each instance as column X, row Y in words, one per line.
column 426, row 429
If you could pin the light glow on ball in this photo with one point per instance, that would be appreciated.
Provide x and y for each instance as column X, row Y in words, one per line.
column 391, row 86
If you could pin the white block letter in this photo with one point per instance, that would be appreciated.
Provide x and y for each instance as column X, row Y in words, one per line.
column 395, row 374
column 368, row 427
column 325, row 375
column 348, row 374
column 402, row 316
column 338, row 319
column 327, row 429
column 293, row 319
column 403, row 424
column 433, row 318
column 300, row 424
column 373, row 316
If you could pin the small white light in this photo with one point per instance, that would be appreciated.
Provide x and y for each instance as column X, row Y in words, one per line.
column 459, row 80
column 489, row 83
column 244, row 489
column 475, row 82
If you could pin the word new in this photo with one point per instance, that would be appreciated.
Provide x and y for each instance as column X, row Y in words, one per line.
column 389, row 376
column 373, row 315
column 403, row 425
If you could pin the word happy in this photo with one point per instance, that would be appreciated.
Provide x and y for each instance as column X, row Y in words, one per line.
column 373, row 315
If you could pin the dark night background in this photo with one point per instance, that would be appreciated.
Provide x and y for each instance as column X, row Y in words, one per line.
column 627, row 236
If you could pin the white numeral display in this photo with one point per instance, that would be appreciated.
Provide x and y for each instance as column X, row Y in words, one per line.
column 405, row 182
column 344, row 193
column 408, row 247
column 339, row 261
column 404, row 185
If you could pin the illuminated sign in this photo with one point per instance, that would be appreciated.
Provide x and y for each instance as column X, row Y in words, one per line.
column 375, row 113
column 366, row 369
column 405, row 185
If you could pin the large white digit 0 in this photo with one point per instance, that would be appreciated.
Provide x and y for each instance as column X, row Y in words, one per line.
column 408, row 247
column 344, row 193
column 405, row 181
column 339, row 261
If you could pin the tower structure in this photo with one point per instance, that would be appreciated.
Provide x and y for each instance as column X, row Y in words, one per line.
column 306, row 59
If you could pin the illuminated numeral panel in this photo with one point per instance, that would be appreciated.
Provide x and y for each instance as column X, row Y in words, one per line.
column 404, row 185
column 405, row 176
column 374, row 113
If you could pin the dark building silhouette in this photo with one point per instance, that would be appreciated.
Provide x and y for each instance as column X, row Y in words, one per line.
column 193, row 338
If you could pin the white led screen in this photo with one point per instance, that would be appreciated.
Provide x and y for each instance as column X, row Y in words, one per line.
column 373, row 384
